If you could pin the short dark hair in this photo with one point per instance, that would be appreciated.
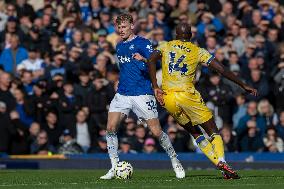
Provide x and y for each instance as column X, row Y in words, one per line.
column 125, row 17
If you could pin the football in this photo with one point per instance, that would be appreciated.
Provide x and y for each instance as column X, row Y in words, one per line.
column 123, row 170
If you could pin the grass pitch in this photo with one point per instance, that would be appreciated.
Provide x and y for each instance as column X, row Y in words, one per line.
column 147, row 179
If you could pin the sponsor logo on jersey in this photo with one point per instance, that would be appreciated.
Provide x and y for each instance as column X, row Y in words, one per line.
column 123, row 59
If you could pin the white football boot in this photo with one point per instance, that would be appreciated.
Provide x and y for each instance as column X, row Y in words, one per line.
column 109, row 175
column 178, row 168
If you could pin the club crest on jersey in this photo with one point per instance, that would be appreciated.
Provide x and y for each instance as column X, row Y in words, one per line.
column 131, row 47
column 149, row 47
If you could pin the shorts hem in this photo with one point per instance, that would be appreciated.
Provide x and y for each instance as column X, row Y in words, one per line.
column 146, row 119
column 117, row 111
column 203, row 121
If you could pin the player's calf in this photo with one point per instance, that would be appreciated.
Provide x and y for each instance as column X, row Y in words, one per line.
column 165, row 142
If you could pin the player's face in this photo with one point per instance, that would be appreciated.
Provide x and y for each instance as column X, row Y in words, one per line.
column 125, row 29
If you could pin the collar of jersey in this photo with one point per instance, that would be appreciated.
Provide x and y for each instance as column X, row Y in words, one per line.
column 130, row 39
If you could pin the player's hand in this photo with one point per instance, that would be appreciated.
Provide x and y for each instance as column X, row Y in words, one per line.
column 159, row 95
column 139, row 57
column 250, row 90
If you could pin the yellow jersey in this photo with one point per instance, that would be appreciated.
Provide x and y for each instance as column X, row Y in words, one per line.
column 179, row 63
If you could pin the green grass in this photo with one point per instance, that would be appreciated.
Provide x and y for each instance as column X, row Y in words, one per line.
column 141, row 179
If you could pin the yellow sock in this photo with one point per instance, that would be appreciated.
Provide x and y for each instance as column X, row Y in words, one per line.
column 207, row 148
column 218, row 146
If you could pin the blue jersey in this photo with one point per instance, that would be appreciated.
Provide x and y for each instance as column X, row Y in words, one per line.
column 134, row 78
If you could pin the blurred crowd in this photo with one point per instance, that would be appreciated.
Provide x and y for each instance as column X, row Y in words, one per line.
column 59, row 73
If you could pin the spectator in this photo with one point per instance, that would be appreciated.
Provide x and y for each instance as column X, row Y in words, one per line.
column 85, row 10
column 211, row 44
column 102, row 146
column 249, row 67
column 183, row 8
column 67, row 28
column 113, row 76
column 267, row 9
column 277, row 22
column 247, row 55
column 72, row 64
column 280, row 126
column 252, row 140
column 98, row 98
column 178, row 143
column 41, row 146
column 272, row 142
column 125, row 147
column 278, row 76
column 7, row 131
column 95, row 8
column 240, row 110
column 33, row 63
column 220, row 95
column 52, row 128
column 219, row 55
column 69, row 145
column 33, row 132
column 27, row 82
column 56, row 67
column 243, row 40
column 253, row 21
column 19, row 144
column 40, row 101
column 259, row 82
column 236, row 89
column 149, row 146
column 82, row 88
column 83, row 131
column 68, row 104
column 139, row 138
column 24, row 107
column 230, row 141
column 130, row 126
column 77, row 39
column 227, row 9
column 105, row 17
column 206, row 19
column 24, row 9
column 251, row 115
column 266, row 110
column 11, row 27
column 91, row 55
column 228, row 46
column 5, row 94
column 10, row 11
column 13, row 56
column 161, row 22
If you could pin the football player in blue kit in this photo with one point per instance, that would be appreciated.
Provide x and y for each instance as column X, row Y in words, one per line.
column 135, row 93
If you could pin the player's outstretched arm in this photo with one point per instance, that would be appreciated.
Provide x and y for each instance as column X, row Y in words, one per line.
column 152, row 61
column 231, row 76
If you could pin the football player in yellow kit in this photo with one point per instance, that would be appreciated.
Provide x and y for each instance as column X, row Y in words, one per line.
column 178, row 95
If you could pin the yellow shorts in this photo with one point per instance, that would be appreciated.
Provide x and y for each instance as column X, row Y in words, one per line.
column 187, row 107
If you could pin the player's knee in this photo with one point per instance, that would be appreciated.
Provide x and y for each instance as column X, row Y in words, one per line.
column 157, row 133
column 111, row 128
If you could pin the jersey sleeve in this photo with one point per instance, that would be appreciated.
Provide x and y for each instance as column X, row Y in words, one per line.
column 146, row 49
column 205, row 57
